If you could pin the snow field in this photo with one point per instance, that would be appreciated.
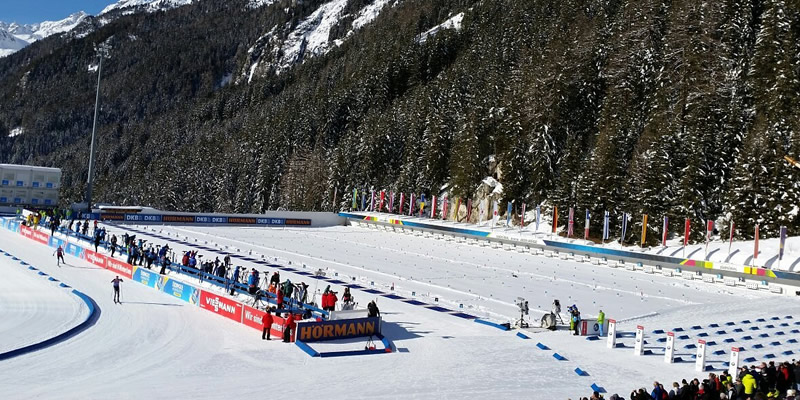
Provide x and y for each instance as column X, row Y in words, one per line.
column 33, row 309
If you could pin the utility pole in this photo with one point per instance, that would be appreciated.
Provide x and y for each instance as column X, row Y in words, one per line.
column 102, row 52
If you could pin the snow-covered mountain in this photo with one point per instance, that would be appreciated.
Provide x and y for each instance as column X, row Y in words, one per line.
column 310, row 38
column 14, row 36
column 147, row 5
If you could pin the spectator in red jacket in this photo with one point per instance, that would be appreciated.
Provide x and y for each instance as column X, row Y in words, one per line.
column 288, row 326
column 279, row 299
column 266, row 322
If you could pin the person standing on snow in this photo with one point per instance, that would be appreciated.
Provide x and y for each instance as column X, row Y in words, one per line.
column 287, row 328
column 266, row 321
column 235, row 279
column 60, row 256
column 601, row 319
column 116, row 281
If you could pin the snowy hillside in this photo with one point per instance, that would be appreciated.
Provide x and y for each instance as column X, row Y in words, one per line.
column 14, row 36
column 310, row 38
column 149, row 5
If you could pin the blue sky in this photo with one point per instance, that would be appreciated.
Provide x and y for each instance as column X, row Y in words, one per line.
column 30, row 11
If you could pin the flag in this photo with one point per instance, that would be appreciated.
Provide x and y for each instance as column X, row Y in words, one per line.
column 709, row 230
column 586, row 227
column 458, row 207
column 522, row 218
column 571, row 224
column 538, row 216
column 495, row 213
column 445, row 203
column 372, row 202
column 605, row 226
column 730, row 242
column 755, row 251
column 782, row 243
column 422, row 205
column 664, row 231
column 354, row 205
column 411, row 204
column 624, row 227
column 687, row 226
column 508, row 214
column 433, row 206
column 380, row 205
column 363, row 201
column 481, row 210
column 402, row 200
column 644, row 229
column 555, row 218
column 335, row 190
column 469, row 209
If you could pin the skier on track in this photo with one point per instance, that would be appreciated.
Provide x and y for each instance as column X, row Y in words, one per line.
column 116, row 281
column 60, row 255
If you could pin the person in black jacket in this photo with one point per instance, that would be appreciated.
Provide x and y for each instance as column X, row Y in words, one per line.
column 373, row 309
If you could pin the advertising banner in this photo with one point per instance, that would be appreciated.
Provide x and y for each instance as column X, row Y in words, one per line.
column 252, row 318
column 41, row 237
column 94, row 258
column 121, row 268
column 75, row 250
column 180, row 290
column 339, row 329
column 55, row 242
column 221, row 305
column 590, row 328
column 145, row 277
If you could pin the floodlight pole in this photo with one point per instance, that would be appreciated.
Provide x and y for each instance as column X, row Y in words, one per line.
column 102, row 52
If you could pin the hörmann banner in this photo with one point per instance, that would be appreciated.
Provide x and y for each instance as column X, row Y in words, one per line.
column 340, row 329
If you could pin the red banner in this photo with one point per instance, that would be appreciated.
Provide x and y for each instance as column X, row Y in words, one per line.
column 121, row 268
column 221, row 305
column 41, row 237
column 252, row 318
column 95, row 258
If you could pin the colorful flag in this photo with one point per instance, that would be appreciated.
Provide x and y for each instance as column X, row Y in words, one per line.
column 495, row 213
column 363, row 201
column 555, row 218
column 380, row 205
column 481, row 210
column 664, row 231
column 730, row 242
column 624, row 227
column 755, row 251
column 571, row 224
column 372, row 202
column 782, row 243
column 686, row 230
column 411, row 204
column 445, row 203
column 434, row 205
column 522, row 218
column 586, row 228
column 402, row 200
column 458, row 207
column 538, row 216
column 422, row 205
column 469, row 209
column 508, row 214
column 354, row 205
column 709, row 230
column 605, row 225
column 644, row 229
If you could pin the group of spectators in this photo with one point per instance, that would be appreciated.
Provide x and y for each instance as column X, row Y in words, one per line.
column 762, row 382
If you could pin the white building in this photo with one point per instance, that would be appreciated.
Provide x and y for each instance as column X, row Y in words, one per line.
column 25, row 185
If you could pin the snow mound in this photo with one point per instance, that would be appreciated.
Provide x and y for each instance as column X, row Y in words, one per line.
column 453, row 22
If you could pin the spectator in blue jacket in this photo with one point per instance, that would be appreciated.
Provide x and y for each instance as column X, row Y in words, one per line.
column 235, row 279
